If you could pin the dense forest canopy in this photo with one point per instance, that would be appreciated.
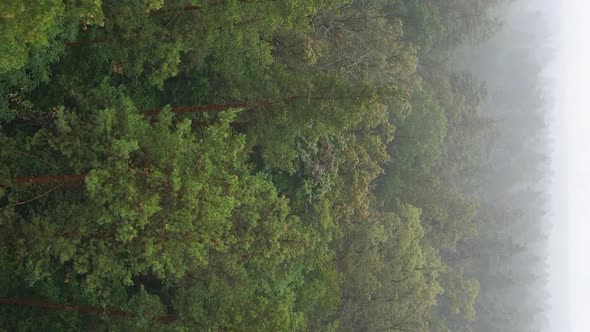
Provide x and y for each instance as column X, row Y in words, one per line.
column 252, row 165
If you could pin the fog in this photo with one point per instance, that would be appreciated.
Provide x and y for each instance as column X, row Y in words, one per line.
column 575, row 52
column 540, row 141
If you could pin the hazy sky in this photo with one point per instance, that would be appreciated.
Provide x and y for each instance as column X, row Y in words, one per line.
column 573, row 143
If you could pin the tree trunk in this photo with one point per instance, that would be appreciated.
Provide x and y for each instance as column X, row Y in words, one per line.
column 46, row 179
column 260, row 102
column 222, row 107
column 163, row 11
column 81, row 309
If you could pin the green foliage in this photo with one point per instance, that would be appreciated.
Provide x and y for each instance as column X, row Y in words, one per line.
column 25, row 26
column 417, row 147
column 391, row 278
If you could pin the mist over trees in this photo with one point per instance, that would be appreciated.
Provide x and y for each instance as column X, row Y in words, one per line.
column 237, row 165
column 512, row 64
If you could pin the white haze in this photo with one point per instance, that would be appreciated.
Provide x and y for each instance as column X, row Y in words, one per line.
column 563, row 50
column 574, row 107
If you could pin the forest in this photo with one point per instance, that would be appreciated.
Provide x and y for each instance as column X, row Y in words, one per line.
column 270, row 165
